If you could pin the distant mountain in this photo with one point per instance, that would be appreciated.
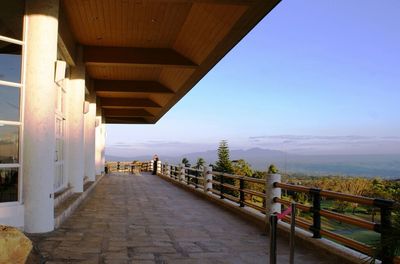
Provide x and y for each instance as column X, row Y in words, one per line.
column 386, row 166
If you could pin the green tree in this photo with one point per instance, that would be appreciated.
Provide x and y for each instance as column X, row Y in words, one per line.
column 185, row 162
column 200, row 163
column 223, row 164
column 242, row 168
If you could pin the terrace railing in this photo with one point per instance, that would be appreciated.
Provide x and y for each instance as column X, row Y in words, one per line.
column 236, row 189
column 384, row 227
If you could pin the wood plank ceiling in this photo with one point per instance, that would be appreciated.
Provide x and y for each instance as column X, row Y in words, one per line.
column 145, row 55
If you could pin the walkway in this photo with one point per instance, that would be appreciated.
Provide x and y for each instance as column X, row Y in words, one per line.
column 144, row 219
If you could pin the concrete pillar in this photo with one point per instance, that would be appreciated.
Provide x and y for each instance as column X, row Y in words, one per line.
column 270, row 193
column 99, row 143
column 39, row 115
column 208, row 179
column 90, row 146
column 103, row 147
column 76, row 149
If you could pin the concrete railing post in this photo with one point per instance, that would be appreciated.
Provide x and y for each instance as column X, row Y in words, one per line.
column 167, row 170
column 151, row 165
column 207, row 172
column 270, row 193
column 182, row 172
column 158, row 171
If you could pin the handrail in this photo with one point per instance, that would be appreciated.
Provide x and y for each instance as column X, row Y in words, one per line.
column 384, row 228
column 234, row 188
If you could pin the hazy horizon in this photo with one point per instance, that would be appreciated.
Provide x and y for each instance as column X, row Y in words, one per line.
column 301, row 145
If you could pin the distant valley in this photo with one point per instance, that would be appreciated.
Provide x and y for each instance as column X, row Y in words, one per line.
column 385, row 166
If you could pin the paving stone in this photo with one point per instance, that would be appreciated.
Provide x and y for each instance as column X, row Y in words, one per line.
column 144, row 219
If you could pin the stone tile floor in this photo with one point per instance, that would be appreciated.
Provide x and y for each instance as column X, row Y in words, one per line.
column 144, row 219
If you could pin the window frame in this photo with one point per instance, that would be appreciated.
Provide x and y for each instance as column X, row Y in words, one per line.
column 20, row 123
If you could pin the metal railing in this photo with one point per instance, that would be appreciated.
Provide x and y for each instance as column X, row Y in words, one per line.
column 237, row 189
column 384, row 227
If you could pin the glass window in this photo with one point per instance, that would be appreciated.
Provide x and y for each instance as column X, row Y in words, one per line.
column 9, row 103
column 8, row 185
column 10, row 62
column 9, row 143
column 11, row 18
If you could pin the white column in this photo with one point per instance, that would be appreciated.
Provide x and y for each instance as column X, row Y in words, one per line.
column 103, row 147
column 76, row 149
column 270, row 193
column 39, row 115
column 90, row 147
column 100, row 145
column 208, row 178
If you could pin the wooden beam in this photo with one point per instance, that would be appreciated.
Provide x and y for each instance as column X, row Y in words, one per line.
column 126, row 120
column 128, row 103
column 135, row 112
column 217, row 2
column 97, row 55
column 113, row 86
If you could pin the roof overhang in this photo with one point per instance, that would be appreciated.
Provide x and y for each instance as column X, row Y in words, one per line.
column 145, row 55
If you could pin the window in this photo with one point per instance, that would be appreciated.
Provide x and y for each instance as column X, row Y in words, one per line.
column 9, row 144
column 11, row 85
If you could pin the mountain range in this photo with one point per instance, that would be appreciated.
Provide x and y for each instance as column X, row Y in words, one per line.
column 385, row 166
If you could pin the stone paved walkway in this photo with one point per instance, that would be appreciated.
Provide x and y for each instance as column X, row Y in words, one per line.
column 144, row 219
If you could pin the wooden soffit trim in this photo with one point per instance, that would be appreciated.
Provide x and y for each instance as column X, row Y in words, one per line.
column 135, row 112
column 113, row 86
column 128, row 103
column 160, row 57
column 126, row 120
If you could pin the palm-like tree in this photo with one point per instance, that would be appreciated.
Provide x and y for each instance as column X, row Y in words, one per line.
column 185, row 162
column 200, row 163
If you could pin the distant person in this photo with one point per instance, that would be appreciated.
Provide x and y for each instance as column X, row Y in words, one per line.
column 155, row 161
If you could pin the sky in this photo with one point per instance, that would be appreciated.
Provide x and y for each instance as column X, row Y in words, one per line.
column 313, row 77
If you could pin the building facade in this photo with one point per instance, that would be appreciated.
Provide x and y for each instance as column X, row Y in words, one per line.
column 51, row 137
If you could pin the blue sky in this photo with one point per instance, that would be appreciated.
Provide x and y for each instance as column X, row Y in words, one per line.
column 314, row 77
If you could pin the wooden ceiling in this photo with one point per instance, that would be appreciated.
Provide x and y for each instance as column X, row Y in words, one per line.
column 145, row 55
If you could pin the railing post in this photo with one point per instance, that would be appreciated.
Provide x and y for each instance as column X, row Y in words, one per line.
column 207, row 178
column 196, row 180
column 221, row 187
column 273, row 222
column 167, row 170
column 292, row 232
column 241, row 185
column 316, row 227
column 174, row 172
column 151, row 165
column 270, row 193
column 158, row 171
column 387, row 253
column 182, row 172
